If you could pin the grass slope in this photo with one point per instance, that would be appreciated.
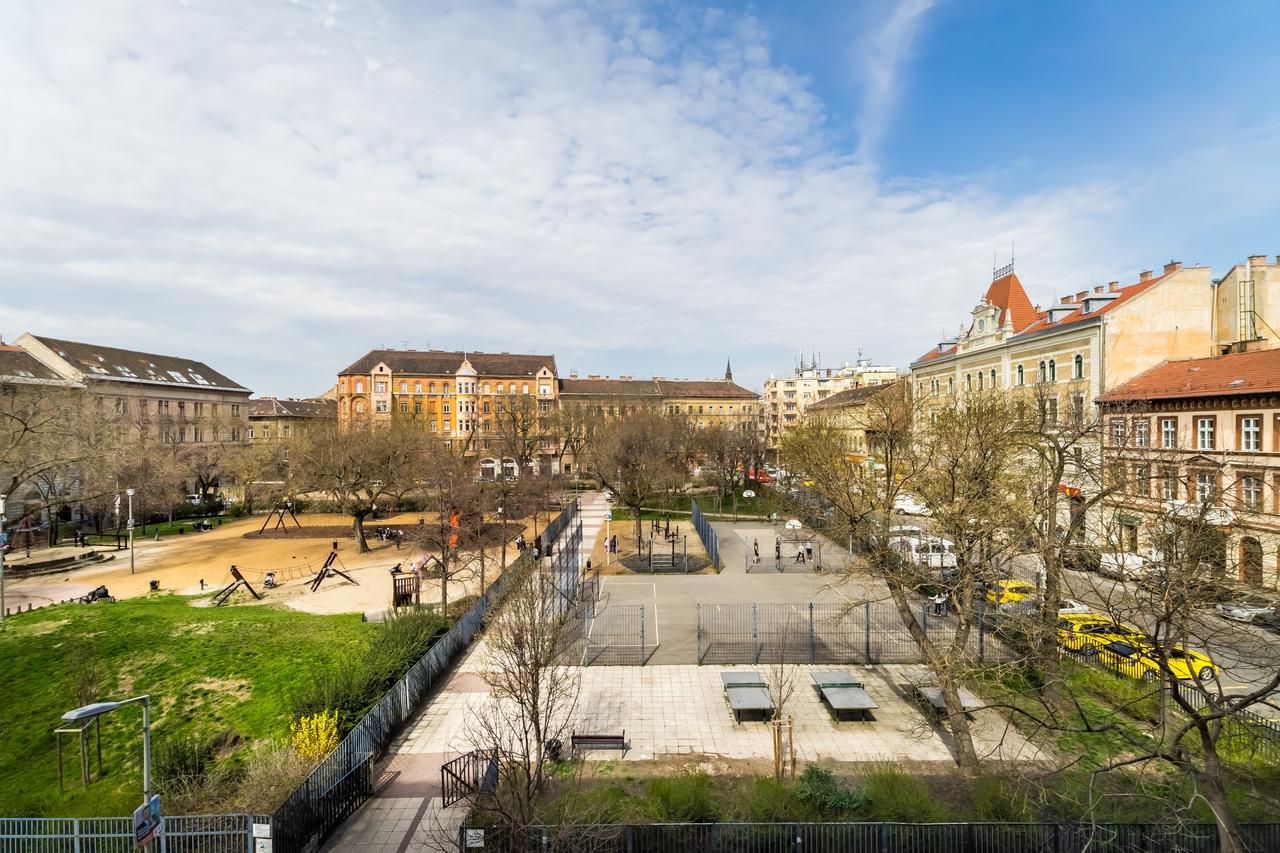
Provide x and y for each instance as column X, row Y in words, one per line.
column 211, row 672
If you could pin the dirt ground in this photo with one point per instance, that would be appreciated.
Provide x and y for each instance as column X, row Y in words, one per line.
column 181, row 563
column 626, row 533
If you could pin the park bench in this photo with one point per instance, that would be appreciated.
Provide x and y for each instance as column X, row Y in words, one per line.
column 577, row 741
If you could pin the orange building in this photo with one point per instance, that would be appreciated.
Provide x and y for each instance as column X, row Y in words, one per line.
column 461, row 397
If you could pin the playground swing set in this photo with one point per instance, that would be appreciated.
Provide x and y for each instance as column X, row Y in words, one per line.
column 279, row 513
column 274, row 577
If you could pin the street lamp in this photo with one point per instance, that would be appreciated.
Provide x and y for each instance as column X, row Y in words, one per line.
column 97, row 709
column 129, row 492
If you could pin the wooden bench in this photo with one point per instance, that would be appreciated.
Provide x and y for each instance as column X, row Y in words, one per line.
column 577, row 741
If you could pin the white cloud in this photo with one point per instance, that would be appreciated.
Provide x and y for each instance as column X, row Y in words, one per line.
column 277, row 187
column 880, row 61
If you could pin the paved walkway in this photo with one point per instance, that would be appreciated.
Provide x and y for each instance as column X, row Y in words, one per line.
column 407, row 813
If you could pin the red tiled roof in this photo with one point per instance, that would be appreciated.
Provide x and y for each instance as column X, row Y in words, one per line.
column 1220, row 376
column 1007, row 294
column 935, row 353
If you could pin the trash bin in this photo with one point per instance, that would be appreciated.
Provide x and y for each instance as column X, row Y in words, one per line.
column 155, row 585
column 554, row 749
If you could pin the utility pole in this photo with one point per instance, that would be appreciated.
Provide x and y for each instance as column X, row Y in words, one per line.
column 129, row 492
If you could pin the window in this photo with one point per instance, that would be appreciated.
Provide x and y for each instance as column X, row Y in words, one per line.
column 445, row 409
column 417, row 407
column 1142, row 433
column 486, row 406
column 404, row 407
column 379, row 387
column 1021, row 378
column 1077, row 408
column 417, row 387
column 501, row 388
column 1251, row 432
column 544, row 390
column 359, row 386
column 444, row 389
column 1205, row 485
column 1251, row 492
column 1168, row 433
column 359, row 407
column 1204, row 433
column 1117, row 431
column 484, row 389
column 993, row 377
column 951, row 385
column 1077, row 367
column 511, row 388
column 1170, row 484
column 524, row 389
column 1117, row 475
column 380, row 405
column 1142, row 480
column 431, row 388
column 404, row 387
column 1049, row 411
column 1053, row 370
column 968, row 382
column 979, row 380
column 1044, row 372
column 433, row 426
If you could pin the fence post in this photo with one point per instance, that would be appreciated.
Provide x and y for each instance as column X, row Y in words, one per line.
column 628, row 837
column 755, row 634
column 642, row 645
column 866, row 611
column 924, row 613
column 545, row 840
column 813, row 649
column 698, row 629
column 797, row 840
column 884, row 837
column 75, row 827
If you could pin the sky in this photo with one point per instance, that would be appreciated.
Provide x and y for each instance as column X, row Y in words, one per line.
column 274, row 188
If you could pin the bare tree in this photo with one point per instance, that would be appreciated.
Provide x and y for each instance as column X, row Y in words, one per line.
column 637, row 457
column 528, row 665
column 455, row 525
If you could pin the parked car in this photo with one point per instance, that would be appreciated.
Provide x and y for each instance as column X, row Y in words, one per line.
column 1122, row 566
column 1141, row 661
column 1008, row 591
column 1089, row 631
column 1081, row 558
column 1250, row 608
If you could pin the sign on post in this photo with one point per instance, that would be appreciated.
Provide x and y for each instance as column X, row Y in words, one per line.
column 146, row 821
column 474, row 838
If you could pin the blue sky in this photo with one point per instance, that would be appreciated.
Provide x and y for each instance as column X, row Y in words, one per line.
column 276, row 187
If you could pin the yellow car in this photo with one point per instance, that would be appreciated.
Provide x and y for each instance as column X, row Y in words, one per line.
column 1009, row 591
column 1142, row 661
column 1088, row 631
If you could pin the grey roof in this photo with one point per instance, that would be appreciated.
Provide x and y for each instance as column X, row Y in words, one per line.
column 17, row 363
column 447, row 363
column 272, row 407
column 715, row 389
column 849, row 396
column 122, row 365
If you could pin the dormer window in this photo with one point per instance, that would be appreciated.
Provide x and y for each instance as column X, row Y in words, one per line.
column 982, row 325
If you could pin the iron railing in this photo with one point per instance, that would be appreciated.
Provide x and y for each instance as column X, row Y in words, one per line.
column 468, row 774
column 870, row 633
column 870, row 838
column 710, row 541
column 343, row 781
column 222, row 833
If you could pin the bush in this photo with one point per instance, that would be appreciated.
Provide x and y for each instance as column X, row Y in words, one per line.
column 894, row 795
column 996, row 799
column 315, row 736
column 819, row 789
column 352, row 687
column 271, row 773
column 768, row 801
column 683, row 799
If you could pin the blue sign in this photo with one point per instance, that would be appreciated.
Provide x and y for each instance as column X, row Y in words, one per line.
column 146, row 821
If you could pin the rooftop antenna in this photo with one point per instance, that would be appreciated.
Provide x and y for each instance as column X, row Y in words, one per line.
column 406, row 344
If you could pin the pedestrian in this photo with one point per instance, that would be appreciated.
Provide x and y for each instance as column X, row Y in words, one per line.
column 755, row 548
column 613, row 544
column 939, row 601
column 777, row 549
column 799, row 554
column 808, row 551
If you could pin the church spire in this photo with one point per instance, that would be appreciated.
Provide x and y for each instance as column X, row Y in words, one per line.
column 728, row 371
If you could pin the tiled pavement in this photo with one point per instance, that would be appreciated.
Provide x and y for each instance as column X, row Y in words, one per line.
column 665, row 710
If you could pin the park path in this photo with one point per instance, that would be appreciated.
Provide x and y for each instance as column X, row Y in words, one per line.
column 407, row 812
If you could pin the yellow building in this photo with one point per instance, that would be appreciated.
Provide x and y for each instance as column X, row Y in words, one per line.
column 705, row 402
column 786, row 398
column 846, row 411
column 459, row 397
column 272, row 419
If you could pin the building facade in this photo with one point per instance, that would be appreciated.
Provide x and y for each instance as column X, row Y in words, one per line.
column 1200, row 436
column 787, row 398
column 176, row 400
column 846, row 412
column 279, row 420
column 704, row 402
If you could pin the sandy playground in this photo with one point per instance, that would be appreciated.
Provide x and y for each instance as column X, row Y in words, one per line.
column 181, row 563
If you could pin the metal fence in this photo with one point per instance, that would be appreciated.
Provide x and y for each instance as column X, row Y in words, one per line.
column 343, row 781
column 224, row 833
column 870, row 633
column 565, row 572
column 710, row 541
column 612, row 634
column 872, row 838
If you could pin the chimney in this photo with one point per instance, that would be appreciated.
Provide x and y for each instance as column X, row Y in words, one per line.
column 1098, row 289
column 1113, row 286
column 1257, row 260
column 573, row 373
column 593, row 375
column 1145, row 275
column 1172, row 266
column 1081, row 295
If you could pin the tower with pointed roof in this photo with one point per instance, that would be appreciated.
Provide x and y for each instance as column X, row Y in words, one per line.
column 728, row 371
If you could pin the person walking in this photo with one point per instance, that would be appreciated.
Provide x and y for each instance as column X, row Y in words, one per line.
column 800, row 554
column 939, row 602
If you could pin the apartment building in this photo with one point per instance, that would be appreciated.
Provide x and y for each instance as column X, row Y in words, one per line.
column 787, row 398
column 273, row 419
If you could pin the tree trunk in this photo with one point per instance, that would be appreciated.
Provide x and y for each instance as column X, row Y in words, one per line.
column 1229, row 837
column 357, row 527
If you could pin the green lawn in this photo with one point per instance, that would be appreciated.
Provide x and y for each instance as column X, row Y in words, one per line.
column 164, row 529
column 228, row 673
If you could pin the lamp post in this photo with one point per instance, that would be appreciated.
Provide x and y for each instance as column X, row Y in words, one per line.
column 98, row 709
column 129, row 492
column 3, row 546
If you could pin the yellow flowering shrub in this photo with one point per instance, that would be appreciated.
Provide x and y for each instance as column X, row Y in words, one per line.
column 315, row 736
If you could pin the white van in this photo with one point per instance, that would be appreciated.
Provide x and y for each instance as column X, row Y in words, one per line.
column 930, row 552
